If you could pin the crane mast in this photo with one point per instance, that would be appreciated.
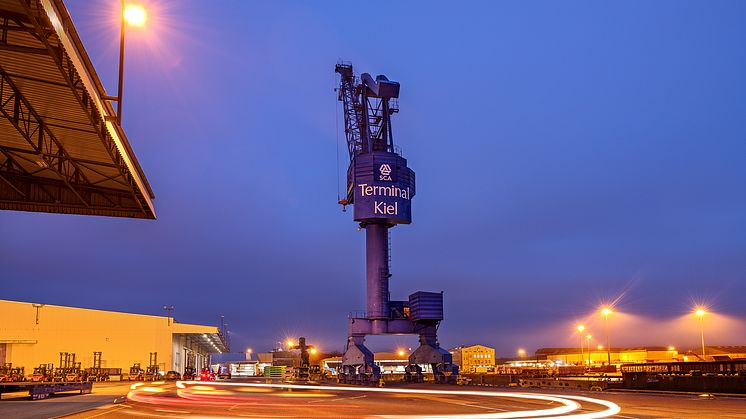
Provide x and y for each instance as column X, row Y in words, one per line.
column 381, row 186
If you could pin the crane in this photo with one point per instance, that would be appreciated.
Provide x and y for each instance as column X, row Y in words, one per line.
column 380, row 186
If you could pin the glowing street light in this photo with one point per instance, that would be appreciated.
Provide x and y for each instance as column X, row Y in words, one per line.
column 290, row 343
column 135, row 15
column 605, row 312
column 313, row 351
column 580, row 332
column 521, row 353
column 589, row 347
column 700, row 312
column 401, row 352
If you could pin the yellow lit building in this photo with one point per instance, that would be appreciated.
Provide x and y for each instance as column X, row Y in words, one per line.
column 34, row 334
column 716, row 353
column 599, row 356
column 475, row 358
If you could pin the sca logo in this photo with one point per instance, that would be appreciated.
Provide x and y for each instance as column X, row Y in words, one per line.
column 385, row 173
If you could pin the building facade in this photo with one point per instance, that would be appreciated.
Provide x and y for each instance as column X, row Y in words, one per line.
column 33, row 334
column 475, row 358
column 600, row 356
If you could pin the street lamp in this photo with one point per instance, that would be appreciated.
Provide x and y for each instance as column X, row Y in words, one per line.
column 401, row 352
column 135, row 15
column 606, row 311
column 248, row 354
column 168, row 309
column 521, row 353
column 700, row 312
column 580, row 332
column 589, row 348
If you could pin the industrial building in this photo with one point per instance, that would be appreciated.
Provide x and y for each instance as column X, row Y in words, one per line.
column 474, row 358
column 716, row 353
column 574, row 356
column 33, row 334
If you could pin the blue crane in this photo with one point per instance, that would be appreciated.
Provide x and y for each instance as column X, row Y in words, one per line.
column 381, row 186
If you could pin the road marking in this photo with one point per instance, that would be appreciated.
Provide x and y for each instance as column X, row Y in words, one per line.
column 336, row 400
column 102, row 413
column 172, row 411
column 474, row 405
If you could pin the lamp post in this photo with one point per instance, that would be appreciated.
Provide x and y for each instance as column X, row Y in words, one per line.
column 37, row 307
column 580, row 332
column 168, row 309
column 134, row 15
column 589, row 348
column 606, row 311
column 701, row 314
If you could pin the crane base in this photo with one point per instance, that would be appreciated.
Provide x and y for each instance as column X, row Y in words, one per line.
column 358, row 365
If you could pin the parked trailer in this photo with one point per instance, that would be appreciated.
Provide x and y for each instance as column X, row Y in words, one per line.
column 38, row 391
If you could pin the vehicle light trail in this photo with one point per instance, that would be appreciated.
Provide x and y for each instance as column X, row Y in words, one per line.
column 568, row 405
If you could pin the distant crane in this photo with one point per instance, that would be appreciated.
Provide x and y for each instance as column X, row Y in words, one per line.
column 381, row 188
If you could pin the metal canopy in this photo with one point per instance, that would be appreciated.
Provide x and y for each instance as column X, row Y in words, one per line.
column 61, row 149
column 208, row 343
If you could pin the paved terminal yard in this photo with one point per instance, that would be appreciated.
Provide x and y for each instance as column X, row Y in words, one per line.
column 237, row 399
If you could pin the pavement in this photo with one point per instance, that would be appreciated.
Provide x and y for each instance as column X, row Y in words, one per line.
column 238, row 399
column 18, row 406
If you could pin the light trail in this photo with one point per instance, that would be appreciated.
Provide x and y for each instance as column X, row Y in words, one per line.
column 568, row 404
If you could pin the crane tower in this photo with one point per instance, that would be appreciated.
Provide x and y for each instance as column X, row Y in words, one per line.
column 381, row 188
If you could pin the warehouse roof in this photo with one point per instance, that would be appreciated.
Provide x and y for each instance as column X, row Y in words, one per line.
column 61, row 148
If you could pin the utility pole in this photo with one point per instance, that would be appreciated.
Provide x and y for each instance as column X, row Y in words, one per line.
column 37, row 307
column 169, row 309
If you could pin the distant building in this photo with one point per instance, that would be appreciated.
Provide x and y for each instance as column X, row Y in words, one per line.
column 389, row 362
column 279, row 358
column 475, row 358
column 716, row 353
column 599, row 356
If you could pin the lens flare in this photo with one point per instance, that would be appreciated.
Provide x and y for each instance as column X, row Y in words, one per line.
column 135, row 15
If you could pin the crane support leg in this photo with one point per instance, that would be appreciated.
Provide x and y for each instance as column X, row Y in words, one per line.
column 430, row 352
column 357, row 364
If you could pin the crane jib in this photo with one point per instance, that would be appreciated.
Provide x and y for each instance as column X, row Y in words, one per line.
column 379, row 183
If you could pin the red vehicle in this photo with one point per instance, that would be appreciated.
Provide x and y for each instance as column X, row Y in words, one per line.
column 206, row 375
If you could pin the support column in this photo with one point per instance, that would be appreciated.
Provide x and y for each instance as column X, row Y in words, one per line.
column 377, row 270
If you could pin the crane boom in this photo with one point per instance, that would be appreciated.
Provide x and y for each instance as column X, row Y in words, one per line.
column 368, row 106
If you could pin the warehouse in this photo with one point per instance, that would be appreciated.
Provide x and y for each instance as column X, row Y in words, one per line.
column 32, row 334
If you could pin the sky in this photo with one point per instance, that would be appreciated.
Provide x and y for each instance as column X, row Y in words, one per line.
column 568, row 154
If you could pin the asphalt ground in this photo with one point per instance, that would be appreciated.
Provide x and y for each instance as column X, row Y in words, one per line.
column 214, row 400
column 18, row 405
